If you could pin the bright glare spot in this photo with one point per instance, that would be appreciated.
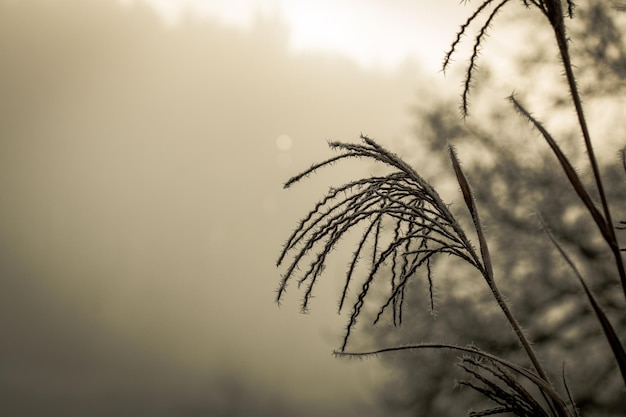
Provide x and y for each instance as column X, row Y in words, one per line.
column 362, row 31
column 284, row 142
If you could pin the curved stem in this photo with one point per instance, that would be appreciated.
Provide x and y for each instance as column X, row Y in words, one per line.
column 530, row 352
column 546, row 388
column 558, row 25
column 486, row 264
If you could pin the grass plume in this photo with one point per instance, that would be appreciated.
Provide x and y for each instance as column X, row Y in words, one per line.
column 423, row 228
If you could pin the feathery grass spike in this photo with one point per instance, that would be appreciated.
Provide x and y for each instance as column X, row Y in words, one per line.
column 423, row 229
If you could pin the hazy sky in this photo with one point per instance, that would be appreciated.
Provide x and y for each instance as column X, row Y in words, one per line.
column 142, row 211
column 375, row 33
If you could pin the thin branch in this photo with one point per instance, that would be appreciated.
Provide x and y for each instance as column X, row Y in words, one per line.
column 545, row 387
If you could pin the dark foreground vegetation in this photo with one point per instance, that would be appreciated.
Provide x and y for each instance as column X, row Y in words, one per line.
column 538, row 222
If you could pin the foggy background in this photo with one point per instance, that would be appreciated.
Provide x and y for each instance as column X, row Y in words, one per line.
column 142, row 156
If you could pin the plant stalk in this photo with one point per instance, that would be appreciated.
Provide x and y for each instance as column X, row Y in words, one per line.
column 558, row 25
column 486, row 266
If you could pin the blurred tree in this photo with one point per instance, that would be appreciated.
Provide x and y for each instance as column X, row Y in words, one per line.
column 514, row 175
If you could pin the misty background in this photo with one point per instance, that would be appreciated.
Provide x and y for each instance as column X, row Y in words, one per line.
column 143, row 148
column 142, row 210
